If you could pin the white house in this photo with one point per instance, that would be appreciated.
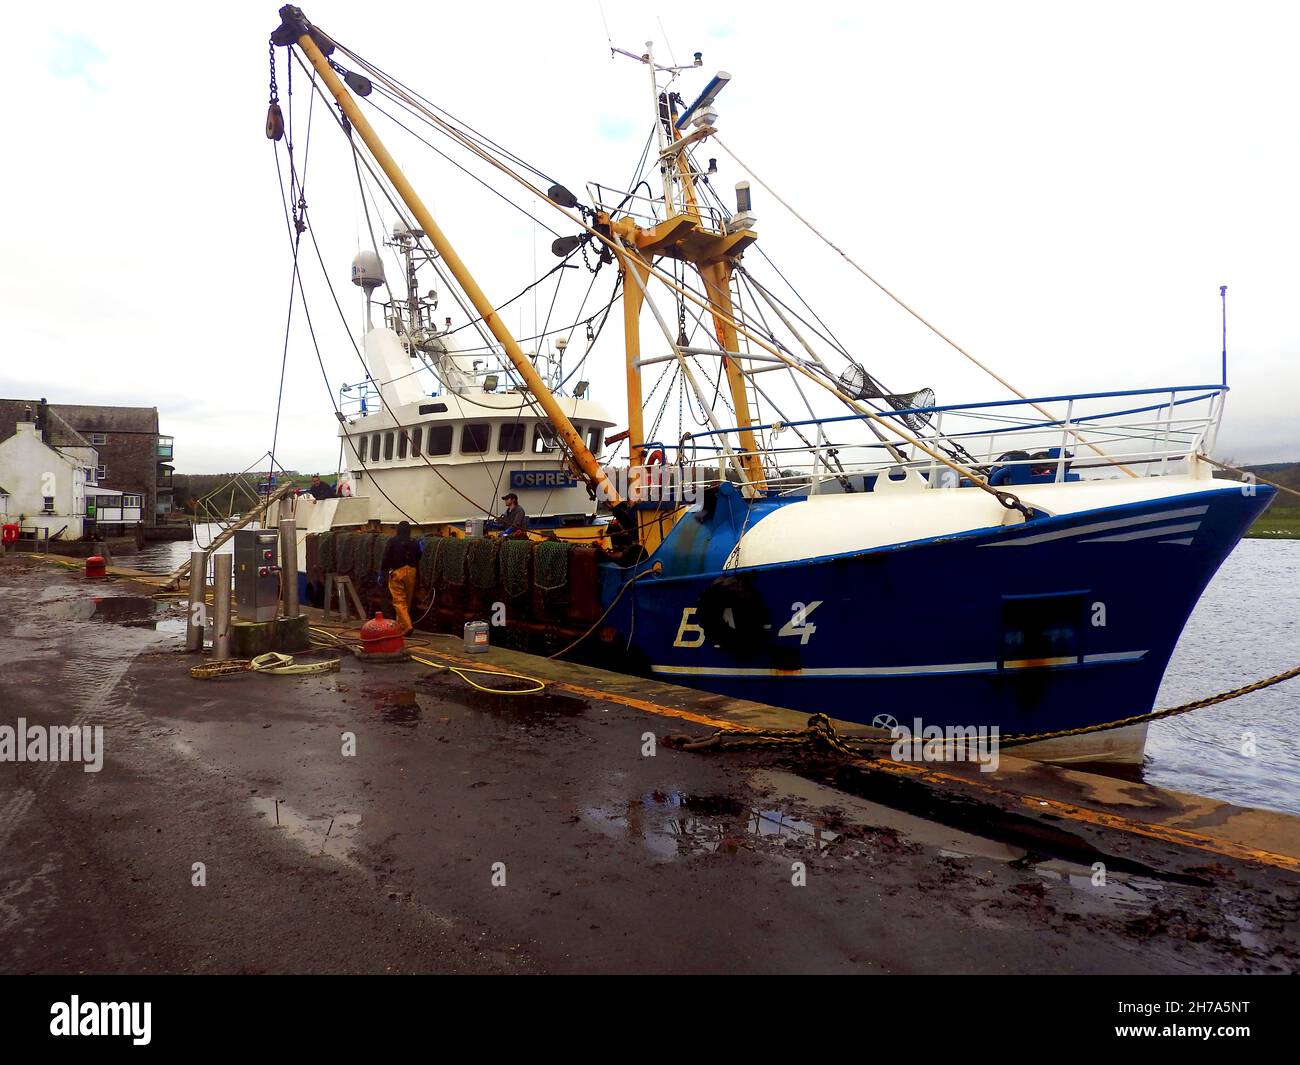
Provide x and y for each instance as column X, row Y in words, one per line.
column 45, row 487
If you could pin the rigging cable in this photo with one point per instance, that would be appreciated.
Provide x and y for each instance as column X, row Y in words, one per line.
column 915, row 314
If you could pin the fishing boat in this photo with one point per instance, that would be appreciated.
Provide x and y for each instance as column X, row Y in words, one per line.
column 811, row 539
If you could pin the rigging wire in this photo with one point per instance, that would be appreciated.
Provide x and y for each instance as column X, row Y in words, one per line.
column 914, row 313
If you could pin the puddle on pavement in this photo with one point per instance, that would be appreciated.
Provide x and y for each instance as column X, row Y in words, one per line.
column 674, row 824
column 401, row 708
column 545, row 707
column 131, row 611
column 332, row 836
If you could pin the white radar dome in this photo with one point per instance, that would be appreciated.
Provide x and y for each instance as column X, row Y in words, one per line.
column 367, row 271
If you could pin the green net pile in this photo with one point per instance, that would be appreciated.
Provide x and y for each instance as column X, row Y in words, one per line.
column 515, row 562
column 346, row 552
column 551, row 565
column 450, row 566
column 483, row 563
column 429, row 559
column 377, row 549
column 326, row 555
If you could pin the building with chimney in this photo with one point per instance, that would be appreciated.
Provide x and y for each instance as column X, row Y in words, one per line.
column 134, row 459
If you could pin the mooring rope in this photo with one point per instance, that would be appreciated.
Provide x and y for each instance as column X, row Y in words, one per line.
column 821, row 735
column 1246, row 473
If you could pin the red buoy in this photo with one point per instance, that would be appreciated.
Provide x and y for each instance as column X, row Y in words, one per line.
column 380, row 636
column 96, row 566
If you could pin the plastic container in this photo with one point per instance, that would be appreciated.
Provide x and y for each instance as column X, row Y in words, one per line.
column 475, row 527
column 476, row 637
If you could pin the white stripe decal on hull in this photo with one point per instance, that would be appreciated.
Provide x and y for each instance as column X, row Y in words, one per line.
column 1144, row 534
column 879, row 671
column 1101, row 526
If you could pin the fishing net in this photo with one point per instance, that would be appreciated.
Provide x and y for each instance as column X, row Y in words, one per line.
column 346, row 553
column 551, row 565
column 516, row 556
column 377, row 549
column 363, row 564
column 326, row 553
column 429, row 559
column 483, row 563
column 450, row 566
column 856, row 383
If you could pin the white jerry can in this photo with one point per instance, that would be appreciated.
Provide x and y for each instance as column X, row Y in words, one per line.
column 476, row 637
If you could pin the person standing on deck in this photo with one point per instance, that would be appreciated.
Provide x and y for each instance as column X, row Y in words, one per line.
column 401, row 557
column 514, row 521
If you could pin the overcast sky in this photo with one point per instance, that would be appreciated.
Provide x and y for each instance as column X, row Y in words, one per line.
column 1061, row 187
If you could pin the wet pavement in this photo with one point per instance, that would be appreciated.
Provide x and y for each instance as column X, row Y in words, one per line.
column 384, row 818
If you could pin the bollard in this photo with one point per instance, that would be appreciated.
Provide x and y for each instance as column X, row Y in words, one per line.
column 222, row 571
column 289, row 566
column 198, row 585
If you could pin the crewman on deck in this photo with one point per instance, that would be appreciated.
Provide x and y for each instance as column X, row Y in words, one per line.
column 400, row 562
column 514, row 521
column 319, row 489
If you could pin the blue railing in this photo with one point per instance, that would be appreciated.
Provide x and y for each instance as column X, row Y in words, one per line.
column 1142, row 438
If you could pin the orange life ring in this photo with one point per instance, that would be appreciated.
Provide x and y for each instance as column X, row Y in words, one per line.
column 655, row 456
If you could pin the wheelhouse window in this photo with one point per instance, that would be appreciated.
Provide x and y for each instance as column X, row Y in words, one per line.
column 388, row 446
column 475, row 438
column 402, row 443
column 362, row 448
column 544, row 438
column 416, row 433
column 439, row 440
column 374, row 447
column 511, row 438
column 594, row 439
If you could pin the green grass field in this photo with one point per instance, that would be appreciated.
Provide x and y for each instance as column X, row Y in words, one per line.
column 1279, row 522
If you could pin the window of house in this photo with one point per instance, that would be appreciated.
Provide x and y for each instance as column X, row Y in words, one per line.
column 416, row 433
column 99, row 438
column 49, row 504
column 439, row 440
column 388, row 446
column 544, row 438
column 363, row 448
column 511, row 438
column 130, row 501
column 403, row 441
column 475, row 438
column 101, row 473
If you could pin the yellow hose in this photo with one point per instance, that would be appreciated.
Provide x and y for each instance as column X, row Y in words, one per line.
column 335, row 640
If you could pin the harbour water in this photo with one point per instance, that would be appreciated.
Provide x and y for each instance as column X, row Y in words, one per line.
column 1246, row 626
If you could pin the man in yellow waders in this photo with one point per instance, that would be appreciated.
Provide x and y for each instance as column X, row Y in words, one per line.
column 401, row 559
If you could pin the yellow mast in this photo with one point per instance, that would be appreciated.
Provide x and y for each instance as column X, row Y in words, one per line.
column 716, row 276
column 295, row 29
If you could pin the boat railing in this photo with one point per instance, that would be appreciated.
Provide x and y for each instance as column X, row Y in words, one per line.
column 647, row 211
column 359, row 398
column 1062, row 438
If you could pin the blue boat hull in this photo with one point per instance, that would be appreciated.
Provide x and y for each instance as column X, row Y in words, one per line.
column 1054, row 624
